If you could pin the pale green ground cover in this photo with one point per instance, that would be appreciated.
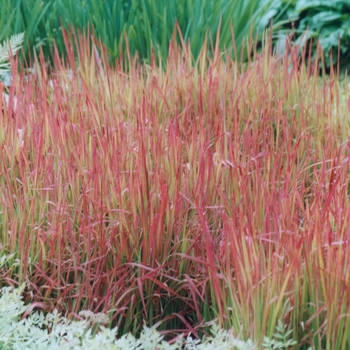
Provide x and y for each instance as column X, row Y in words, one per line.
column 52, row 331
column 8, row 47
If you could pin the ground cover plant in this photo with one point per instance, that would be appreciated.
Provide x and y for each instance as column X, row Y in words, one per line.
column 52, row 331
column 206, row 190
column 8, row 48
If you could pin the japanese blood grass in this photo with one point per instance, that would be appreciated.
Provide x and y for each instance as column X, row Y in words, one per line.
column 181, row 195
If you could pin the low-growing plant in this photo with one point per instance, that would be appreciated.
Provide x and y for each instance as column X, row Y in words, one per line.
column 281, row 338
column 8, row 47
column 38, row 331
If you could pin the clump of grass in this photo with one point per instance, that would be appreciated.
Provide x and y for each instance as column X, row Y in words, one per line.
column 209, row 190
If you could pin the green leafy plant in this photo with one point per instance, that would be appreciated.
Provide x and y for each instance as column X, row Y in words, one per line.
column 52, row 331
column 10, row 46
column 281, row 338
column 326, row 22
column 20, row 327
column 148, row 25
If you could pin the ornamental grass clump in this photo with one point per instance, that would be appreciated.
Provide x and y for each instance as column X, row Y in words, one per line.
column 180, row 194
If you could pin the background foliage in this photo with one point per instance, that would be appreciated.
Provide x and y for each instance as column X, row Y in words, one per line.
column 146, row 23
column 326, row 21
column 151, row 23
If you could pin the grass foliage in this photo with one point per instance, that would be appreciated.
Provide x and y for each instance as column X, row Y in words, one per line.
column 148, row 23
column 209, row 190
